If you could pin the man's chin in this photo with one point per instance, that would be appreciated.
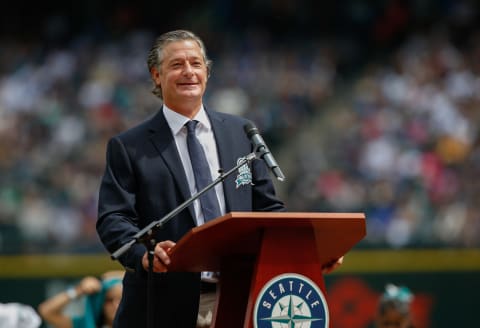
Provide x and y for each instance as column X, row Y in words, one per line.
column 190, row 93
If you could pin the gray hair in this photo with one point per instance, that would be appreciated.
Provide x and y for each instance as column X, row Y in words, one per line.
column 155, row 56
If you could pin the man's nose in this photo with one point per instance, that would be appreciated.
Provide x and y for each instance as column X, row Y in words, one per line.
column 188, row 69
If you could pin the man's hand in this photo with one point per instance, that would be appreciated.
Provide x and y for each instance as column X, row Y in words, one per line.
column 161, row 259
column 88, row 285
column 332, row 265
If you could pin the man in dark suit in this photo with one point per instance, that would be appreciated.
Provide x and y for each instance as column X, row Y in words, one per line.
column 149, row 173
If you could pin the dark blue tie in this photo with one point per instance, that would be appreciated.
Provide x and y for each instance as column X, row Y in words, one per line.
column 201, row 171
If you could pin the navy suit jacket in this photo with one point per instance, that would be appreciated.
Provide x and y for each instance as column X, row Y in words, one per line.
column 143, row 181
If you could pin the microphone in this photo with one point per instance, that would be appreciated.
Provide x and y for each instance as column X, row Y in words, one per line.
column 260, row 146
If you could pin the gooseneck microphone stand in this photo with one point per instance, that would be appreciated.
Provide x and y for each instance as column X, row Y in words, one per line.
column 146, row 235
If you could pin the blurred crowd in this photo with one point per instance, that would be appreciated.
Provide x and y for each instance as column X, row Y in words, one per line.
column 403, row 145
column 59, row 106
column 399, row 135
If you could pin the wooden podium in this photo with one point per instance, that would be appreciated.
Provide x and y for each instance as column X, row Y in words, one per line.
column 250, row 248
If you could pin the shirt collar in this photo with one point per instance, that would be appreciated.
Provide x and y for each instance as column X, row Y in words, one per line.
column 177, row 121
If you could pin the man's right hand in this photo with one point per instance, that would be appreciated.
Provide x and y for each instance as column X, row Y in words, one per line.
column 161, row 259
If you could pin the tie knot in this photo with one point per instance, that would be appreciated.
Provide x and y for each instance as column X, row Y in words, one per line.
column 191, row 126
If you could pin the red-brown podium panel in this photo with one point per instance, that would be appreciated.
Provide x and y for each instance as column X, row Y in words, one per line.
column 250, row 248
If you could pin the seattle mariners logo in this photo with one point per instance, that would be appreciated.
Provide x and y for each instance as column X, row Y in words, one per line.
column 244, row 176
column 290, row 301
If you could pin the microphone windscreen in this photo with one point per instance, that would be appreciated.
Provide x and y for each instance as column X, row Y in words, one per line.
column 250, row 129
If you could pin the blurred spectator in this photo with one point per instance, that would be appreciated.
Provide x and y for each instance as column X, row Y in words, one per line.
column 101, row 299
column 16, row 315
column 393, row 309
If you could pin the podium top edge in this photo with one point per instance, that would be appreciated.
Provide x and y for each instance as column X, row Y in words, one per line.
column 299, row 215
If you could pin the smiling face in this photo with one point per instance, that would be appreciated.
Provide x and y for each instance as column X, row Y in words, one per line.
column 182, row 76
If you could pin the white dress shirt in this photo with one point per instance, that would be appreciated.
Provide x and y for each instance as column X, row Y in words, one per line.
column 205, row 135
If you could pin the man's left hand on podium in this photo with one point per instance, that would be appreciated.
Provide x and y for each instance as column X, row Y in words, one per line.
column 332, row 265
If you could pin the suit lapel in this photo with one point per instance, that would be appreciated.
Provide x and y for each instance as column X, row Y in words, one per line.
column 162, row 138
column 226, row 155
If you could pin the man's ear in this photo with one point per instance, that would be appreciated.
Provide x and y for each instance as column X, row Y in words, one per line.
column 155, row 75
